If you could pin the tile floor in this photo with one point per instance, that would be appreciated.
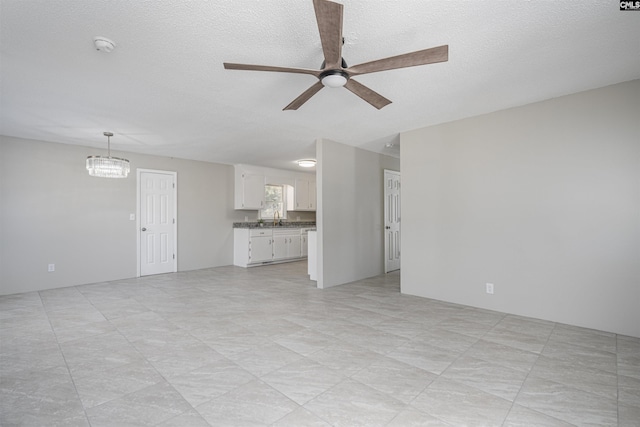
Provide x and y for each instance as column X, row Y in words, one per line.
column 253, row 347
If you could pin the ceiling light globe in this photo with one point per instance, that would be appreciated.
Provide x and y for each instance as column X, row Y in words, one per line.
column 334, row 80
column 306, row 163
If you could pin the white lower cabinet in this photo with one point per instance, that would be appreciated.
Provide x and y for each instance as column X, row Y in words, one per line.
column 257, row 246
column 286, row 244
column 260, row 249
column 280, row 247
column 295, row 246
column 304, row 243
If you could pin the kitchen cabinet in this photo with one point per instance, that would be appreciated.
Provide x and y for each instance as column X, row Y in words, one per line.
column 312, row 265
column 250, row 181
column 252, row 246
column 305, row 195
column 312, row 195
column 260, row 249
column 257, row 246
column 286, row 244
column 304, row 243
column 249, row 190
column 295, row 246
column 280, row 249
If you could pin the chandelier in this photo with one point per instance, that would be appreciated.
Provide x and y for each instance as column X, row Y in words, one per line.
column 108, row 167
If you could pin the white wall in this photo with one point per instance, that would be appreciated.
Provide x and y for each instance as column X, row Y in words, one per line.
column 52, row 211
column 541, row 200
column 350, row 217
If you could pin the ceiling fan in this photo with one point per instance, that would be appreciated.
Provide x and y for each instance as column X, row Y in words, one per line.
column 334, row 71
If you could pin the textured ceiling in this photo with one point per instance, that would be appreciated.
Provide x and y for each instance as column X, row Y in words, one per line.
column 164, row 91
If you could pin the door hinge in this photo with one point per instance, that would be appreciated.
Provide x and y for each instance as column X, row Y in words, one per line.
column 174, row 220
column 174, row 185
column 174, row 256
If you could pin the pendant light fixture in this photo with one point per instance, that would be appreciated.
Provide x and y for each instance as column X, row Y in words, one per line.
column 108, row 167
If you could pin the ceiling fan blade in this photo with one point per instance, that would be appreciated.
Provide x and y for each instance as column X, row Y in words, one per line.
column 420, row 57
column 249, row 67
column 373, row 98
column 329, row 17
column 306, row 95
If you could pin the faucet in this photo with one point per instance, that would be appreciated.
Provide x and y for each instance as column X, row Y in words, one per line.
column 276, row 215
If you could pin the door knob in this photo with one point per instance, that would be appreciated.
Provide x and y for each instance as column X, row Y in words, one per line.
column 144, row 229
column 388, row 228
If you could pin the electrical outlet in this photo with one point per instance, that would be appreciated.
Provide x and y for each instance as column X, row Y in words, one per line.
column 132, row 217
column 490, row 288
column 246, row 218
column 51, row 268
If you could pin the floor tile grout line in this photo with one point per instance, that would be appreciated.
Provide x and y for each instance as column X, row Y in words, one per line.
column 75, row 388
column 527, row 377
column 273, row 294
column 617, row 382
column 143, row 357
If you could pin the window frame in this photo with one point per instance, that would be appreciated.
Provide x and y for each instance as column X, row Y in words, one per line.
column 264, row 212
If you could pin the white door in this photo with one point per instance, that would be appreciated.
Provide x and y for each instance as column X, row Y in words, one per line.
column 157, row 214
column 391, row 220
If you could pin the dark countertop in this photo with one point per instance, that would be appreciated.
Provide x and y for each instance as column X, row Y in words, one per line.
column 269, row 224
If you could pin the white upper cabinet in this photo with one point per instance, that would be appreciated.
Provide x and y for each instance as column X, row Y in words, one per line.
column 249, row 190
column 253, row 188
column 312, row 195
column 305, row 195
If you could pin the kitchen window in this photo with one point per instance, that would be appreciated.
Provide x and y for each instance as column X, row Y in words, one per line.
column 275, row 198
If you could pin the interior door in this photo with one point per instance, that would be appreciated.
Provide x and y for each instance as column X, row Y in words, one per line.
column 157, row 201
column 391, row 220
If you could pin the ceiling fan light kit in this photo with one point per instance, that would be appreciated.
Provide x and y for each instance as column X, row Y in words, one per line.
column 334, row 78
column 335, row 72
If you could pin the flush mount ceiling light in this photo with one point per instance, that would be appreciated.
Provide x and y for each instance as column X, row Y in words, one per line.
column 108, row 167
column 306, row 163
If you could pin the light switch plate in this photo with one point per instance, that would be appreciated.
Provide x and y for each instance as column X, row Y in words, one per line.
column 132, row 217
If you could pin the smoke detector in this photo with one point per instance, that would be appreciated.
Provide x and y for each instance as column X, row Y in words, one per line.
column 103, row 44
